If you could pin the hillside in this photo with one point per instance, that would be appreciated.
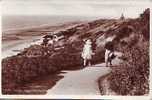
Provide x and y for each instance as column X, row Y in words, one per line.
column 37, row 60
column 132, row 77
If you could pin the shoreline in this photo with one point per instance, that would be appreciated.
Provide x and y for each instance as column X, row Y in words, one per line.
column 9, row 48
column 17, row 41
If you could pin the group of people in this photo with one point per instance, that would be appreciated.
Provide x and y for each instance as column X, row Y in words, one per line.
column 49, row 40
column 87, row 54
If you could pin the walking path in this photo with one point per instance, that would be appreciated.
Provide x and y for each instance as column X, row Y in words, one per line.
column 81, row 82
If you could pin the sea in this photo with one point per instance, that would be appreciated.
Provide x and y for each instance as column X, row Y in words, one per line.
column 17, row 22
column 13, row 23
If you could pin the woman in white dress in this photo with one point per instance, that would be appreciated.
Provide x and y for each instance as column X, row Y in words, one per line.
column 87, row 53
column 109, row 53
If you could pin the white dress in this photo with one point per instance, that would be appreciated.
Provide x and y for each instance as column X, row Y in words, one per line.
column 106, row 55
column 87, row 52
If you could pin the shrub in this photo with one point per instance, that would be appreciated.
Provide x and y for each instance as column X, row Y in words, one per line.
column 19, row 70
column 99, row 55
column 132, row 77
column 33, row 62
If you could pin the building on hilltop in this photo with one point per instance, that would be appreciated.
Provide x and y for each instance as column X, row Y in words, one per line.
column 122, row 17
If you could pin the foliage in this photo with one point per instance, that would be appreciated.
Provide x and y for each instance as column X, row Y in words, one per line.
column 132, row 77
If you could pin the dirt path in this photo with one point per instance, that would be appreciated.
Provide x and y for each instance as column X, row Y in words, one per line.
column 80, row 82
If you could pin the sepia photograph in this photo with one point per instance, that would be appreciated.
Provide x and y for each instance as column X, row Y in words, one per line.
column 75, row 47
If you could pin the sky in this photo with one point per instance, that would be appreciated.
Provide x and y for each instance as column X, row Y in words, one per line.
column 102, row 8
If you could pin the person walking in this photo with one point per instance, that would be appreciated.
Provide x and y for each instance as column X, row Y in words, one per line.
column 109, row 53
column 87, row 53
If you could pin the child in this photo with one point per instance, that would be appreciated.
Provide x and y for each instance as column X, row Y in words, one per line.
column 87, row 53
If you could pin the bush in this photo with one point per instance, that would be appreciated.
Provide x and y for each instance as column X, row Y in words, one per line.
column 37, row 61
column 132, row 77
column 20, row 70
column 99, row 55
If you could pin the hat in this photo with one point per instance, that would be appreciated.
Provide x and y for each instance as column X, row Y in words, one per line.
column 88, row 41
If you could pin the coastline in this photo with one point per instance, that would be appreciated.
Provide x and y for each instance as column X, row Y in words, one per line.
column 13, row 43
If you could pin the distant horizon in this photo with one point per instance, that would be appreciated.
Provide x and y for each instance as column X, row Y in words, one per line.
column 27, row 21
column 17, row 22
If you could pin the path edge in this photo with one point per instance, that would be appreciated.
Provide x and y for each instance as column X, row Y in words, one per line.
column 100, row 82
